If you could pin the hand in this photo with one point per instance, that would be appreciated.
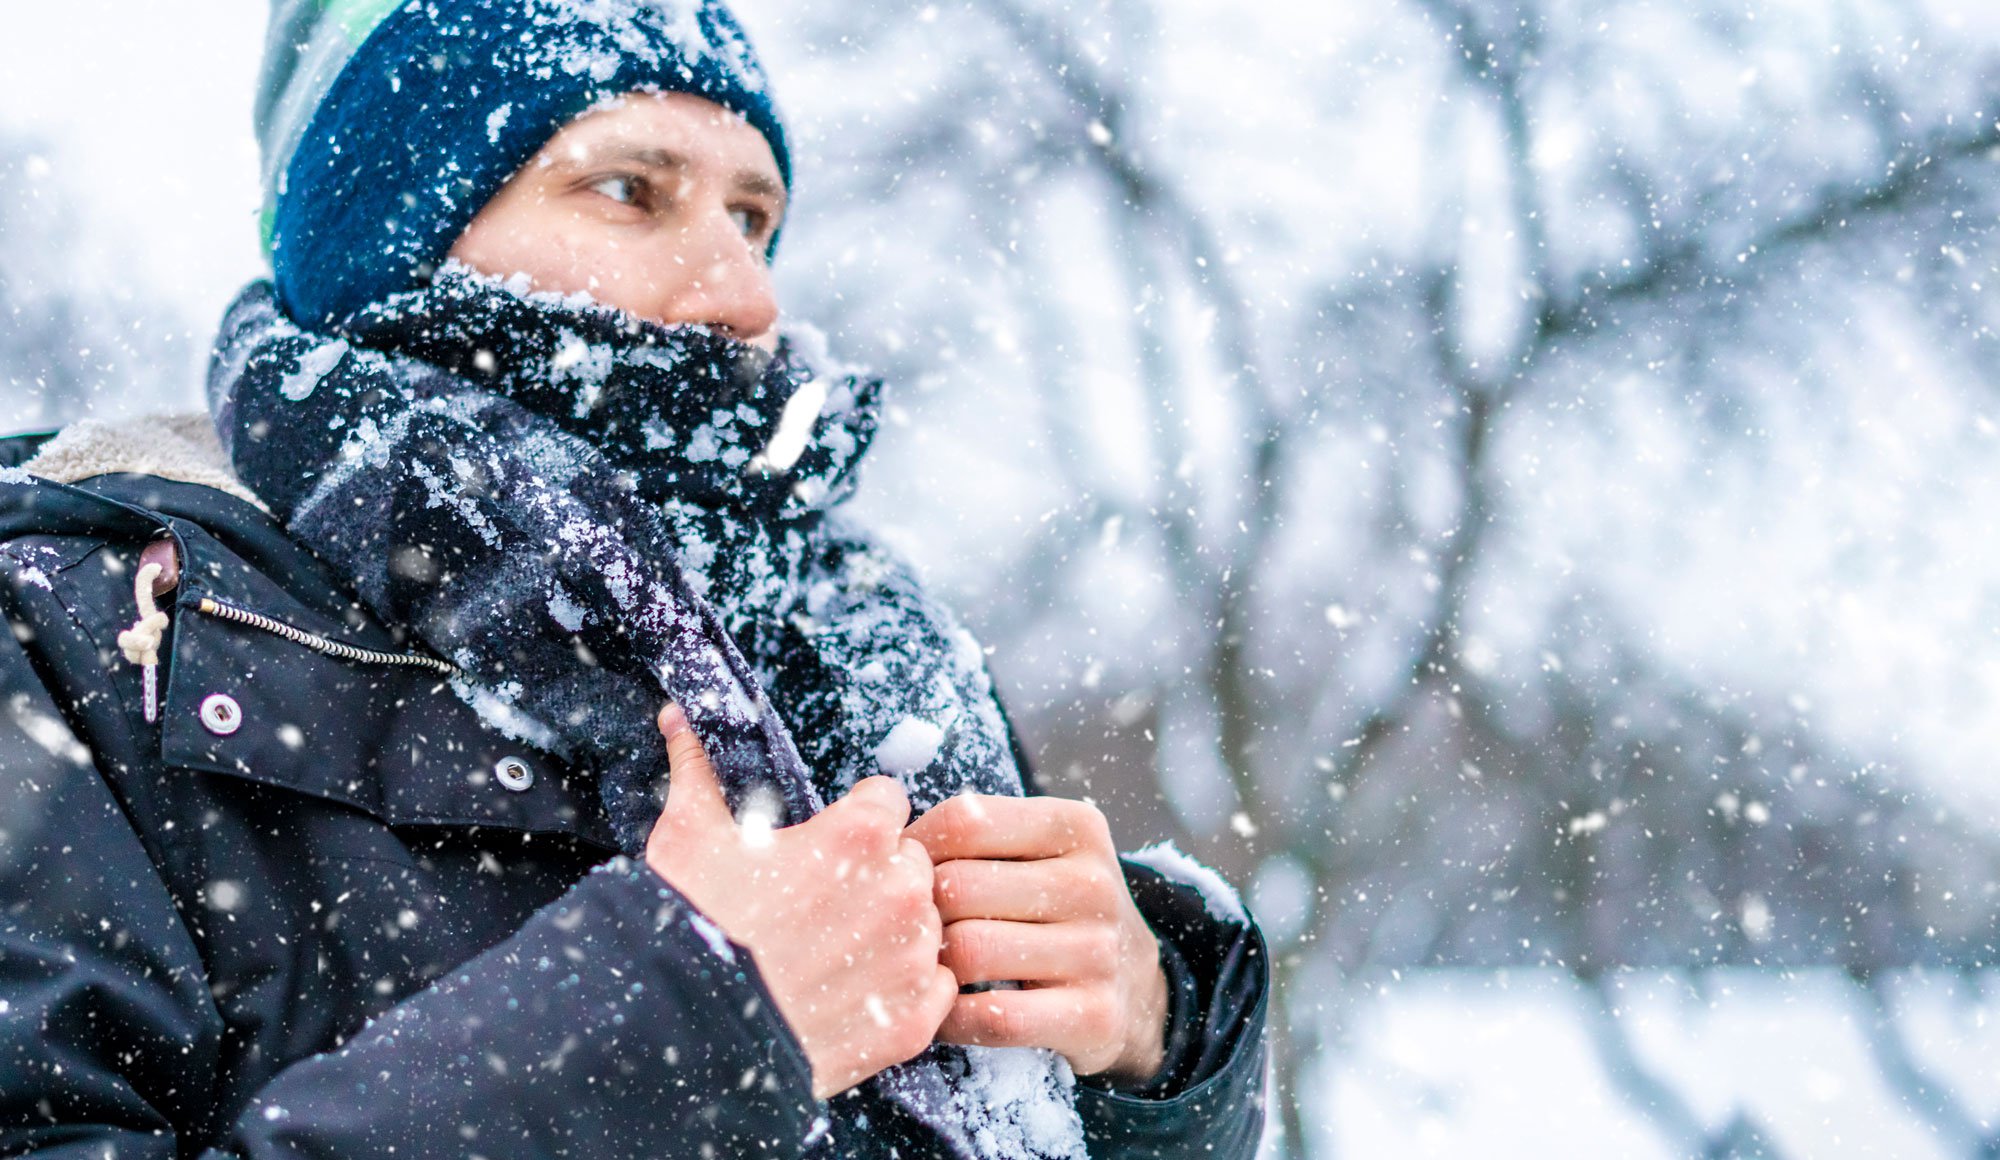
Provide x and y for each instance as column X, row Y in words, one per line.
column 836, row 911
column 1030, row 891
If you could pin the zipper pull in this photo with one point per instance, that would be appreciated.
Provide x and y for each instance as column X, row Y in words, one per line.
column 159, row 574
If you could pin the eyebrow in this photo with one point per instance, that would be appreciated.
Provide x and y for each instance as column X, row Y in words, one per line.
column 652, row 157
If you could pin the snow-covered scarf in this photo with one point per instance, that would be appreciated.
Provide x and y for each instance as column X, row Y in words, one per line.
column 588, row 514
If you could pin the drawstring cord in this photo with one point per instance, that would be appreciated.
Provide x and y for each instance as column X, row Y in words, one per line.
column 159, row 574
column 141, row 642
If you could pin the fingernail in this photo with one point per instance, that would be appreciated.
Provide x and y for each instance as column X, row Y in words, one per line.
column 673, row 719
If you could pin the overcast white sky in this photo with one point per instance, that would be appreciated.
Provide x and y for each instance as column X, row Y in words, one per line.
column 143, row 110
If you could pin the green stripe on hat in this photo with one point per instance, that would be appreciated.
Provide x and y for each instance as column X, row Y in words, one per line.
column 359, row 17
column 306, row 46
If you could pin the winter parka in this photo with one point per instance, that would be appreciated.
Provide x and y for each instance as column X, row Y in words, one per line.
column 306, row 903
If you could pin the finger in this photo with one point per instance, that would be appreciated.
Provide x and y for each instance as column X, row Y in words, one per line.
column 989, row 827
column 1050, row 890
column 938, row 1000
column 865, row 828
column 883, row 796
column 918, row 875
column 930, row 1003
column 912, row 854
column 693, row 792
column 1042, row 1017
column 984, row 951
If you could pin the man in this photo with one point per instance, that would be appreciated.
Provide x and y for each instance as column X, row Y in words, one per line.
column 511, row 452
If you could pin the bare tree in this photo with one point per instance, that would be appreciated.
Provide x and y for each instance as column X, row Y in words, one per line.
column 1337, row 465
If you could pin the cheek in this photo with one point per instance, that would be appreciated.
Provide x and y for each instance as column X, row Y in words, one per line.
column 634, row 270
column 555, row 251
column 631, row 269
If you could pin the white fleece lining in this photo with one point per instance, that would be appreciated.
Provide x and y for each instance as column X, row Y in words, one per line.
column 181, row 447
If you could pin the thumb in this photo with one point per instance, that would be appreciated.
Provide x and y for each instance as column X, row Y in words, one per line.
column 693, row 791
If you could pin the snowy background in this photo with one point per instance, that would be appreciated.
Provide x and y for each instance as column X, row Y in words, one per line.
column 1509, row 483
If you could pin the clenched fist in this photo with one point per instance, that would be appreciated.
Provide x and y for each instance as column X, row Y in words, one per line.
column 837, row 911
column 1030, row 891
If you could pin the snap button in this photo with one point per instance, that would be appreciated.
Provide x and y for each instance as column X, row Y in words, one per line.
column 221, row 715
column 514, row 773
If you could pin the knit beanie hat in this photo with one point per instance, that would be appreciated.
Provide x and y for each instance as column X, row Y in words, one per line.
column 386, row 125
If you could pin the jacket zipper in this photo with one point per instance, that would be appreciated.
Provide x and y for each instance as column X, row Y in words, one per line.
column 209, row 606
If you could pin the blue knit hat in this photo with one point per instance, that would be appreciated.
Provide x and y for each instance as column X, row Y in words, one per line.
column 387, row 126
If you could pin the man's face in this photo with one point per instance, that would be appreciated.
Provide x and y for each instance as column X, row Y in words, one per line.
column 662, row 205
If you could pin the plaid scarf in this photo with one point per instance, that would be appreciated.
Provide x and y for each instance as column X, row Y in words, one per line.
column 589, row 514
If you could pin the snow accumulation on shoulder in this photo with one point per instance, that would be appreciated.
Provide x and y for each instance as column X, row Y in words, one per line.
column 1217, row 895
column 909, row 748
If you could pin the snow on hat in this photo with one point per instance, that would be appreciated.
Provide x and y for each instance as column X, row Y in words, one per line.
column 387, row 125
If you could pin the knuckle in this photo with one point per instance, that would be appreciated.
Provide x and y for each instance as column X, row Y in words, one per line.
column 918, row 858
column 922, row 877
column 1076, row 879
column 683, row 751
column 948, row 881
column 912, row 970
column 955, row 823
column 970, row 945
column 928, row 940
column 906, row 906
column 1101, row 876
column 1097, row 1020
column 1013, row 1024
column 1087, row 823
column 985, row 1019
column 954, row 818
column 859, row 831
column 1106, row 1020
column 878, row 838
column 885, row 793
column 1102, row 947
column 912, row 1036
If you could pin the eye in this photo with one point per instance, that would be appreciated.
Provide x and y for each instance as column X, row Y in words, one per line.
column 623, row 190
column 750, row 221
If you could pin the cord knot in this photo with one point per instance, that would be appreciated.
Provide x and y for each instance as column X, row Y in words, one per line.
column 141, row 642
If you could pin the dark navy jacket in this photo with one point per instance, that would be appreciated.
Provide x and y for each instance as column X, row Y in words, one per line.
column 316, row 920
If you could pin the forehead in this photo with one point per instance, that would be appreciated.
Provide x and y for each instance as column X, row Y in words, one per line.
column 692, row 131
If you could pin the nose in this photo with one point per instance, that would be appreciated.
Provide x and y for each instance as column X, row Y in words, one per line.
column 724, row 283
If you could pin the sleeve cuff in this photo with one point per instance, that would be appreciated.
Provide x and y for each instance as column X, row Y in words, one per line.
column 1183, row 1033
column 1208, row 1098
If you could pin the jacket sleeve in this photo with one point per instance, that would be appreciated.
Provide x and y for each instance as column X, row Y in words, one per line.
column 1208, row 1098
column 610, row 1025
column 616, row 1022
